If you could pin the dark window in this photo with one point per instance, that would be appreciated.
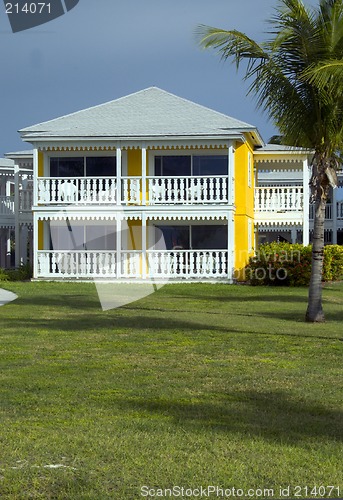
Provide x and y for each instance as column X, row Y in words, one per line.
column 175, row 237
column 100, row 237
column 210, row 165
column 100, row 166
column 71, row 235
column 158, row 166
column 209, row 237
column 96, row 166
column 195, row 237
column 67, row 167
column 191, row 165
column 172, row 166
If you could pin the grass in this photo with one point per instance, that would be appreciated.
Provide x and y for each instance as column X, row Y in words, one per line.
column 195, row 385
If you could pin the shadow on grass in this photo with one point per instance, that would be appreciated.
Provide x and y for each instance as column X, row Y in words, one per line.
column 275, row 297
column 271, row 415
column 112, row 325
column 72, row 301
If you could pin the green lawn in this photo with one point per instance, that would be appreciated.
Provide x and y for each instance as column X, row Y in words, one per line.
column 195, row 385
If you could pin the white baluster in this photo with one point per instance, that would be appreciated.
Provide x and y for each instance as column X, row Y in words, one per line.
column 215, row 264
column 268, row 193
column 182, row 191
column 224, row 189
column 211, row 190
column 125, row 190
column 169, row 195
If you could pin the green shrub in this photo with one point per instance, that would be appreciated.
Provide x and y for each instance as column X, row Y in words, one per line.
column 22, row 273
column 333, row 263
column 3, row 275
column 289, row 264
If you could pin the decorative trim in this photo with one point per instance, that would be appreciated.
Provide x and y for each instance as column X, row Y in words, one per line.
column 151, row 143
column 175, row 216
column 64, row 215
column 267, row 225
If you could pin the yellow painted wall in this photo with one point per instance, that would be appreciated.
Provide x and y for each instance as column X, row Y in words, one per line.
column 134, row 165
column 40, row 164
column 134, row 162
column 134, row 237
column 244, row 195
column 242, row 251
column 40, row 235
column 244, row 201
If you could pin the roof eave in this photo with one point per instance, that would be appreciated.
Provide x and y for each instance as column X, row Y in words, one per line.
column 33, row 138
column 284, row 152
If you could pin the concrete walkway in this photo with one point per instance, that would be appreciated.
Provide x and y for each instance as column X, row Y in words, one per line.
column 6, row 296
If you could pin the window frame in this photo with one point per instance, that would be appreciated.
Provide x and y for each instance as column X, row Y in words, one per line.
column 185, row 152
column 76, row 154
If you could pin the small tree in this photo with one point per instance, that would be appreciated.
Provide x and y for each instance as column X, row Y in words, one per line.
column 296, row 76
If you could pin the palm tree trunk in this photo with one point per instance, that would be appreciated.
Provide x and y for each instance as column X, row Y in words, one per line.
column 314, row 311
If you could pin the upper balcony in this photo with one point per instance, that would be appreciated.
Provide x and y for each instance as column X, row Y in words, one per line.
column 279, row 204
column 8, row 207
column 161, row 190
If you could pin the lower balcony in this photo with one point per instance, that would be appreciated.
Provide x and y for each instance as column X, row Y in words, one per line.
column 330, row 211
column 128, row 264
column 6, row 205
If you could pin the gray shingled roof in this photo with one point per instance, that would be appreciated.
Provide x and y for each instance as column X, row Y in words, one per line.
column 5, row 162
column 281, row 148
column 149, row 113
column 26, row 153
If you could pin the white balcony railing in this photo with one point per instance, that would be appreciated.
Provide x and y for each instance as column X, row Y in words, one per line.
column 187, row 190
column 76, row 264
column 77, row 190
column 188, row 263
column 279, row 199
column 131, row 190
column 6, row 205
column 158, row 190
column 129, row 264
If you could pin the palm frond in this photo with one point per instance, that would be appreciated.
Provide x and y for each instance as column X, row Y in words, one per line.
column 296, row 75
column 324, row 74
column 231, row 43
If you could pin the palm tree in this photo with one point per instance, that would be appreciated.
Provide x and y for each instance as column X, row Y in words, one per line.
column 296, row 77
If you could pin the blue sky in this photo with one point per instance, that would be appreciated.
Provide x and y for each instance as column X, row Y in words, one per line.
column 102, row 50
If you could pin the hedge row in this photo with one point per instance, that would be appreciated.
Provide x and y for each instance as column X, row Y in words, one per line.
column 290, row 264
column 22, row 273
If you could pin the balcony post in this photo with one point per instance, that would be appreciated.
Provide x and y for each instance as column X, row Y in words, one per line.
column 306, row 203
column 231, row 246
column 231, row 174
column 119, row 170
column 144, row 249
column 35, row 176
column 8, row 248
column 144, row 174
column 118, row 245
column 17, row 238
column 35, row 245
column 334, row 209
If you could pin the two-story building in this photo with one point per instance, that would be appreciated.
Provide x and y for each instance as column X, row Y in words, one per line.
column 16, row 219
column 287, row 181
column 155, row 186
